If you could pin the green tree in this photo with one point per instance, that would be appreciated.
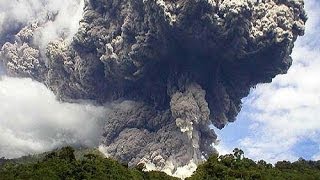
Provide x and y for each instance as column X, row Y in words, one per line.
column 238, row 153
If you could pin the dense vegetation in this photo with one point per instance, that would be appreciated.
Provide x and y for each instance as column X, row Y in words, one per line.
column 69, row 164
column 63, row 164
column 236, row 166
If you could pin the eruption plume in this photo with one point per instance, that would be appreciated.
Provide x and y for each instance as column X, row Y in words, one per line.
column 168, row 68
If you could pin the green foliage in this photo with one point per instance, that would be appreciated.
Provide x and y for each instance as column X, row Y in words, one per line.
column 63, row 164
column 68, row 164
column 236, row 166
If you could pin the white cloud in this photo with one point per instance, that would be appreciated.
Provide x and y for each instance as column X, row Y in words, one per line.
column 223, row 149
column 33, row 121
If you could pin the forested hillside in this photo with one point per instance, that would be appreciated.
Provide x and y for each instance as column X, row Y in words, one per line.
column 63, row 164
column 67, row 163
column 236, row 166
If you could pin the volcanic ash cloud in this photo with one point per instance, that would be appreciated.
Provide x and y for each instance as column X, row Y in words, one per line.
column 169, row 69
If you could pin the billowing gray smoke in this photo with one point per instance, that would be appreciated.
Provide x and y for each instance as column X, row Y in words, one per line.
column 169, row 68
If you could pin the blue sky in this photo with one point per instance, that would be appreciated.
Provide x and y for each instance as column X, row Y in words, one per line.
column 281, row 120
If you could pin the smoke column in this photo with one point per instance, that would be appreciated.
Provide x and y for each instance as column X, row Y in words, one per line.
column 168, row 69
